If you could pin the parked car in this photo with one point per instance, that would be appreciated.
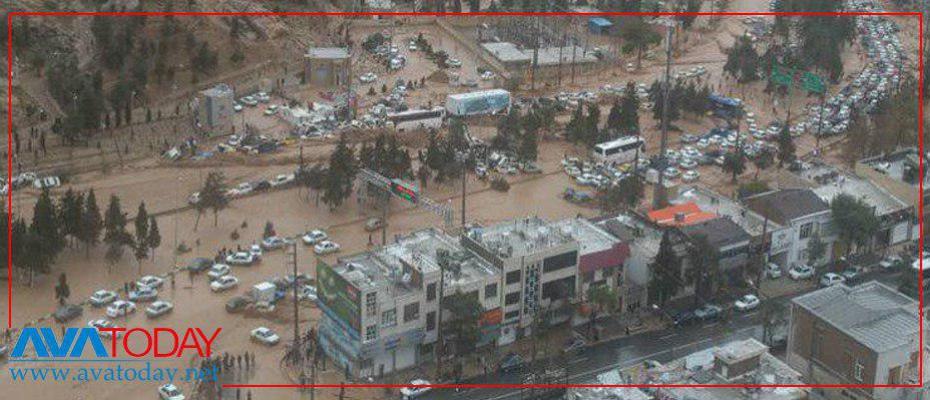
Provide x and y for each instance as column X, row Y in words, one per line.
column 47, row 182
column 708, row 312
column 367, row 77
column 98, row 324
column 313, row 237
column 690, row 176
column 274, row 242
column 218, row 270
column 121, row 308
column 830, row 279
column 240, row 258
column 890, row 262
column 67, row 312
column 850, row 274
column 511, row 362
column 799, row 272
column 143, row 293
column 326, row 247
column 170, row 392
column 256, row 251
column 236, row 304
column 282, row 180
column 158, row 309
column 773, row 271
column 307, row 292
column 574, row 344
column 746, row 303
column 684, row 318
column 264, row 336
column 150, row 281
column 373, row 224
column 224, row 283
column 410, row 393
column 103, row 297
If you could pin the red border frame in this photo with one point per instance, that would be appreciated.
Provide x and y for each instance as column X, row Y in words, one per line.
column 920, row 129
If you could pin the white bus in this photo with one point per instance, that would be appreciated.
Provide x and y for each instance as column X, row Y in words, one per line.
column 417, row 119
column 620, row 151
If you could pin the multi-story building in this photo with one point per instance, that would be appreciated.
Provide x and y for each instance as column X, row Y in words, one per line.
column 327, row 66
column 805, row 216
column 539, row 266
column 600, row 259
column 862, row 335
column 899, row 174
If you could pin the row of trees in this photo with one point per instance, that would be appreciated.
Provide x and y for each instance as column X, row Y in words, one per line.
column 74, row 219
column 893, row 124
column 518, row 132
column 684, row 97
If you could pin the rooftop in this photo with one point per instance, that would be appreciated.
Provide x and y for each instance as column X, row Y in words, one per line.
column 680, row 215
column 328, row 52
column 873, row 195
column 713, row 202
column 221, row 89
column 506, row 52
column 510, row 53
column 720, row 232
column 429, row 250
column 902, row 166
column 632, row 230
column 873, row 314
column 590, row 237
column 519, row 237
column 785, row 205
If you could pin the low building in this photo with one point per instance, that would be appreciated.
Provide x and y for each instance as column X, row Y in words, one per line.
column 805, row 216
column 215, row 109
column 643, row 240
column 601, row 256
column 899, row 174
column 550, row 61
column 862, row 335
column 327, row 66
column 730, row 241
column 896, row 216
column 599, row 25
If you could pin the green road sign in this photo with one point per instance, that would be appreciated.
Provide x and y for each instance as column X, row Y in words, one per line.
column 812, row 83
column 784, row 76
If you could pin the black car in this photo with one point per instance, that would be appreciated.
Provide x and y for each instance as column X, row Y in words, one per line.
column 510, row 363
column 708, row 312
column 685, row 318
column 67, row 312
column 199, row 264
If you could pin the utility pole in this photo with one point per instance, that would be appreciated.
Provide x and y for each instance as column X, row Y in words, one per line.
column 464, row 192
column 535, row 55
column 561, row 47
column 291, row 261
column 658, row 196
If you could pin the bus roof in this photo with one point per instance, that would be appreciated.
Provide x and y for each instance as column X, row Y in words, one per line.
column 619, row 142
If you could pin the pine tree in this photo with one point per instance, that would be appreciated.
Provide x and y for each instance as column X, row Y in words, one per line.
column 141, row 244
column 665, row 270
column 154, row 236
column 529, row 140
column 212, row 196
column 45, row 223
column 629, row 111
column 71, row 210
column 91, row 221
column 341, row 175
column 614, row 117
column 786, row 147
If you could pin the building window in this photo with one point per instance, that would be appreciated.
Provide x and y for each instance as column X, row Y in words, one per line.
column 430, row 321
column 894, row 376
column 806, row 230
column 513, row 277
column 560, row 261
column 371, row 333
column 511, row 315
column 857, row 371
column 431, row 292
column 371, row 303
column 490, row 291
column 389, row 318
column 512, row 298
column 411, row 312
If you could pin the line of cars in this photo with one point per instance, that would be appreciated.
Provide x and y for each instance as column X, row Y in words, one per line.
column 242, row 189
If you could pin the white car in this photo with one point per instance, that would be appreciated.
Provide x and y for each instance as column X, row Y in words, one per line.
column 121, row 308
column 241, row 189
column 103, row 297
column 224, row 283
column 307, row 292
column 454, row 62
column 487, row 75
column 830, row 279
column 326, row 247
column 409, row 393
column 265, row 336
column 773, row 271
column 282, row 180
column 237, row 107
column 47, row 183
column 194, row 198
column 143, row 293
column 367, row 77
column 240, row 258
column 746, row 303
column 671, row 173
column 158, row 309
column 799, row 272
column 690, row 176
column 256, row 251
column 170, row 392
column 274, row 242
column 313, row 237
column 150, row 281
column 102, row 323
column 217, row 271
column 890, row 262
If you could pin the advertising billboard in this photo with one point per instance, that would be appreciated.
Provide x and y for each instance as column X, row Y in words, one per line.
column 337, row 295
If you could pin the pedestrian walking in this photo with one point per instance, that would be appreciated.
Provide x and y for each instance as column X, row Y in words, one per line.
column 239, row 361
column 249, row 395
column 238, row 393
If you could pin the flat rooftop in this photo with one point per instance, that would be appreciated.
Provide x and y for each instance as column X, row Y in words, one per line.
column 423, row 249
column 328, row 53
column 902, row 166
column 546, row 56
column 507, row 52
column 590, row 237
column 872, row 194
column 519, row 237
column 713, row 202
column 220, row 89
column 640, row 235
